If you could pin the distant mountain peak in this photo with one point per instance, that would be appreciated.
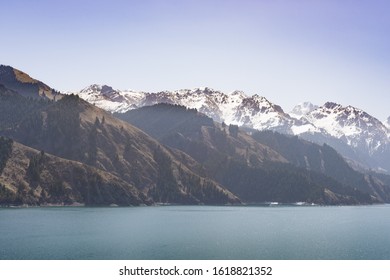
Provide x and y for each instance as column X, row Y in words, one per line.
column 261, row 104
column 232, row 108
column 92, row 87
column 237, row 92
column 354, row 126
column 97, row 88
column 349, row 112
column 260, row 98
column 110, row 99
column 332, row 105
column 302, row 109
column 205, row 89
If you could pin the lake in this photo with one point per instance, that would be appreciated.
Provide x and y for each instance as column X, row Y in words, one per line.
column 196, row 232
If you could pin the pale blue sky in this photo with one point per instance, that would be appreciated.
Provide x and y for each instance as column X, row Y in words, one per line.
column 286, row 50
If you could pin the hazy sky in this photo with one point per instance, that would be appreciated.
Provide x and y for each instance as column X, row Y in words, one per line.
column 288, row 51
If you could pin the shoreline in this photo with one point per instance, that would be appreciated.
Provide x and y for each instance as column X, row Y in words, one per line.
column 261, row 204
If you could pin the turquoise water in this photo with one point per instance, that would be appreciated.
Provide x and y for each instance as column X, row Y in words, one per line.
column 196, row 232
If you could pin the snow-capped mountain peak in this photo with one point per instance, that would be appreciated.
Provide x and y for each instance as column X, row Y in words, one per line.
column 237, row 92
column 345, row 116
column 259, row 113
column 254, row 111
column 110, row 99
column 302, row 109
column 234, row 108
column 356, row 127
column 348, row 125
column 387, row 123
column 93, row 88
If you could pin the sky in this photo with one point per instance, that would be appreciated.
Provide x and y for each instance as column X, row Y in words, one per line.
column 289, row 51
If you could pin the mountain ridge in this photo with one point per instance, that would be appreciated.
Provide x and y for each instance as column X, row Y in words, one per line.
column 20, row 81
column 364, row 134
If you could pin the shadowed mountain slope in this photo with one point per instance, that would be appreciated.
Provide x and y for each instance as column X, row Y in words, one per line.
column 252, row 170
column 73, row 129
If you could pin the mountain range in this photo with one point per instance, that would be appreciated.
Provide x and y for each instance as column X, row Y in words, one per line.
column 358, row 136
column 62, row 149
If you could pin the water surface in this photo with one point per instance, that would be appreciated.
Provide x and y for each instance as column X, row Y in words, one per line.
column 196, row 232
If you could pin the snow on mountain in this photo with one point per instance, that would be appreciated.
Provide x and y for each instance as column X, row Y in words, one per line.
column 304, row 126
column 259, row 113
column 110, row 99
column 347, row 123
column 331, row 123
column 302, row 109
column 353, row 126
column 233, row 108
column 387, row 123
column 205, row 100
